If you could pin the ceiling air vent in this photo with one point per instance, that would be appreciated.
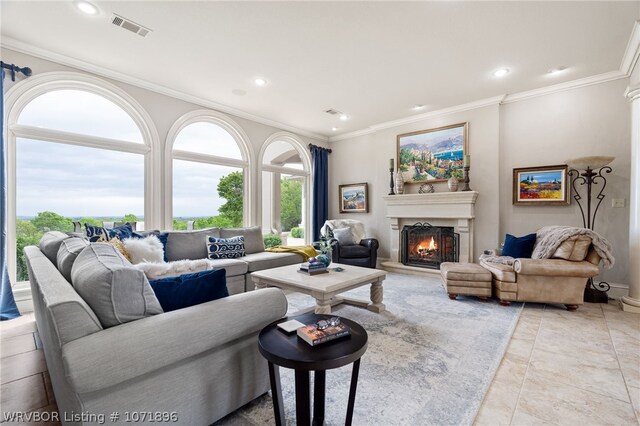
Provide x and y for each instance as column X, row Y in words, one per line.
column 130, row 25
column 332, row 112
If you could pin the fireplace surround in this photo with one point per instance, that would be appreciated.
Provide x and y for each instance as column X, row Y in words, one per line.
column 448, row 209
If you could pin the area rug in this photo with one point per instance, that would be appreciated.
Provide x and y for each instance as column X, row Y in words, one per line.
column 430, row 360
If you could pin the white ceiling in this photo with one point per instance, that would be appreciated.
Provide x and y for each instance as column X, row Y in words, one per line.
column 371, row 60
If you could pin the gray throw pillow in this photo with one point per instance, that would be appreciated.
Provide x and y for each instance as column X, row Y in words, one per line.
column 67, row 254
column 115, row 290
column 50, row 244
column 188, row 244
column 253, row 242
column 344, row 236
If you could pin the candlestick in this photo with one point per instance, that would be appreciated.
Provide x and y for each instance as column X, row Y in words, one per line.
column 467, row 161
column 391, row 164
column 391, row 183
column 465, row 184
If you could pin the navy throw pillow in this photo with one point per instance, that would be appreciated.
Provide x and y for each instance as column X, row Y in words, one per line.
column 225, row 248
column 190, row 289
column 519, row 247
column 164, row 237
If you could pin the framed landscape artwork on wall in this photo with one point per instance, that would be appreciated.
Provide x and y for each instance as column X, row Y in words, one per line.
column 433, row 155
column 545, row 185
column 354, row 198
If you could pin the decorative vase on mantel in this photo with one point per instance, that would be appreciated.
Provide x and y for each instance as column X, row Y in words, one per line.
column 399, row 183
column 453, row 184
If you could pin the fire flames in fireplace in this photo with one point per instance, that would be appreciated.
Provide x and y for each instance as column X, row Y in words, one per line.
column 427, row 251
column 428, row 246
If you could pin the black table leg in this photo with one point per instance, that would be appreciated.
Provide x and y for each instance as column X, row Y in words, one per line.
column 303, row 398
column 352, row 392
column 276, row 394
column 318, row 397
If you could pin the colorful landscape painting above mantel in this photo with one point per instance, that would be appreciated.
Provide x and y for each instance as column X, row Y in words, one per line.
column 432, row 155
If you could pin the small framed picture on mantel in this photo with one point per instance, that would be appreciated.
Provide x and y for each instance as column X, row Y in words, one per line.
column 541, row 186
column 354, row 198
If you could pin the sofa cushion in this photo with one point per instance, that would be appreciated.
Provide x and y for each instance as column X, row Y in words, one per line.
column 574, row 248
column 115, row 291
column 233, row 267
column 147, row 249
column 117, row 243
column 253, row 242
column 225, row 248
column 519, row 246
column 50, row 244
column 69, row 250
column 188, row 244
column 190, row 289
column 268, row 260
column 354, row 251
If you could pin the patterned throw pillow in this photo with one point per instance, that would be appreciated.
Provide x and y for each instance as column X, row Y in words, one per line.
column 95, row 232
column 225, row 248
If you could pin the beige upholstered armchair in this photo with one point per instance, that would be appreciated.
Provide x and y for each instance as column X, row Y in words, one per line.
column 559, row 279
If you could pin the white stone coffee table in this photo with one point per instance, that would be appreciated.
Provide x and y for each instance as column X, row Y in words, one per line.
column 325, row 287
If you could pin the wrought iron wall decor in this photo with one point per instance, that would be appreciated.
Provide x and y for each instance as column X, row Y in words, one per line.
column 588, row 171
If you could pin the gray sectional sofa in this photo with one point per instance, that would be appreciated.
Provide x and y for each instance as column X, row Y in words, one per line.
column 198, row 364
column 189, row 245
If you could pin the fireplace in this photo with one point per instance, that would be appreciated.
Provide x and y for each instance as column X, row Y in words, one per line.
column 428, row 246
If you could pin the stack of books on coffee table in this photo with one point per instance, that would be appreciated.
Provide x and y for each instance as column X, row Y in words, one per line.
column 313, row 268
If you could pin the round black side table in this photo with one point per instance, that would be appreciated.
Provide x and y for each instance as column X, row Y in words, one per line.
column 287, row 350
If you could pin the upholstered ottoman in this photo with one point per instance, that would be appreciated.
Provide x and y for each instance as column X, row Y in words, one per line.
column 466, row 279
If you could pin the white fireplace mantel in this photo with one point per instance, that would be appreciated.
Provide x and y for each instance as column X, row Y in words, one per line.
column 456, row 209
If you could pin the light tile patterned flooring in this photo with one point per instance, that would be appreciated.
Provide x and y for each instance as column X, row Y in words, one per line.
column 565, row 368
column 568, row 368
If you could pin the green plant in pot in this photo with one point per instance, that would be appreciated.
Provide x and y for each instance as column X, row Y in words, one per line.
column 325, row 246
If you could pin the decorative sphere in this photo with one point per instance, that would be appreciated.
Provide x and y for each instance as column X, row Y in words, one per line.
column 323, row 258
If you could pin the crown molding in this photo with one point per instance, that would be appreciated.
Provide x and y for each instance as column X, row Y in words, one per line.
column 567, row 85
column 633, row 92
column 630, row 58
column 19, row 46
column 496, row 100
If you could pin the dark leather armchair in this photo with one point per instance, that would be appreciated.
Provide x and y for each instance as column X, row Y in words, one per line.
column 364, row 254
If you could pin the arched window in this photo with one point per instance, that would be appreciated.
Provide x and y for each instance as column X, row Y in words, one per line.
column 285, row 184
column 208, row 180
column 80, row 150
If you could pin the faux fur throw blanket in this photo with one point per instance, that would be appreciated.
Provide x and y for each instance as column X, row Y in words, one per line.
column 154, row 270
column 549, row 239
column 357, row 227
column 492, row 258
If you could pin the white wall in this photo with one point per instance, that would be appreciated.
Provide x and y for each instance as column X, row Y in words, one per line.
column 548, row 130
column 164, row 111
column 545, row 130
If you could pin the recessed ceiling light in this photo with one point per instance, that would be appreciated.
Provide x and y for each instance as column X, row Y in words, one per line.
column 417, row 107
column 344, row 117
column 501, row 72
column 333, row 129
column 260, row 81
column 86, row 7
column 556, row 71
